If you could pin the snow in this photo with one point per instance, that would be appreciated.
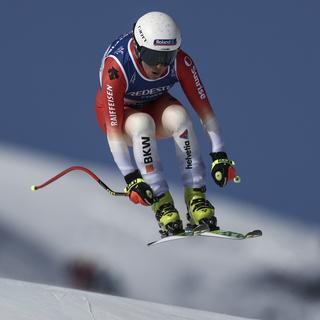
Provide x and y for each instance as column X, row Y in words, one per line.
column 273, row 277
column 27, row 301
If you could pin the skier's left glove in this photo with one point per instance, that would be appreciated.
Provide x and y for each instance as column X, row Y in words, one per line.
column 139, row 191
column 222, row 169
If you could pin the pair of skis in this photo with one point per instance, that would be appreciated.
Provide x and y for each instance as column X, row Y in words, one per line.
column 204, row 232
column 199, row 231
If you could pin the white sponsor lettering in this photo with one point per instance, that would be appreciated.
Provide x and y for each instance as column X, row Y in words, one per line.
column 111, row 108
column 146, row 92
column 199, row 86
column 187, row 61
column 165, row 42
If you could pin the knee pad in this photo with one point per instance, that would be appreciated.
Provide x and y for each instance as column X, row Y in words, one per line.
column 174, row 118
column 140, row 123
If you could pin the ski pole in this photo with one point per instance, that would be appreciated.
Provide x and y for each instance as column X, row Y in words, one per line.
column 232, row 176
column 236, row 179
column 83, row 169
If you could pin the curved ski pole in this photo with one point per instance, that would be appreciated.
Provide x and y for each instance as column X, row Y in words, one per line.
column 89, row 172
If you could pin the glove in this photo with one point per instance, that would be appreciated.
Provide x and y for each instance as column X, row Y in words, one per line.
column 222, row 169
column 139, row 191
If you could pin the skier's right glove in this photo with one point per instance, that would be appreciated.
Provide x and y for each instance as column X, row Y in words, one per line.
column 139, row 191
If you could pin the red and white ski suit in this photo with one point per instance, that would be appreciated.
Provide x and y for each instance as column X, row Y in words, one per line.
column 132, row 122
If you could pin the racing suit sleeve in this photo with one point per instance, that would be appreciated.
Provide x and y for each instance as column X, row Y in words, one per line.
column 192, row 86
column 113, row 86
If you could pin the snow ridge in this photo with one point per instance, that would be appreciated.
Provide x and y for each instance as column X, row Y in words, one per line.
column 25, row 301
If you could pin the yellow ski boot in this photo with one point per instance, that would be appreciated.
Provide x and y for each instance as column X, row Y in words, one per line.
column 200, row 210
column 167, row 215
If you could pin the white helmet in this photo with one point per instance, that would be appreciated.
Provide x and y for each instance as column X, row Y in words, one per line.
column 157, row 38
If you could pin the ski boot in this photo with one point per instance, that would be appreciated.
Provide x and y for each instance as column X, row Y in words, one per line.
column 167, row 215
column 200, row 211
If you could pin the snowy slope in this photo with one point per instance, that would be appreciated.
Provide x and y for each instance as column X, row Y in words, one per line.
column 25, row 301
column 273, row 277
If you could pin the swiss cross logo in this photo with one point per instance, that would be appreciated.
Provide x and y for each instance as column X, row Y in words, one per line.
column 184, row 134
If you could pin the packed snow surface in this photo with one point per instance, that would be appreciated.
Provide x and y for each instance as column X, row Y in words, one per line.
column 26, row 301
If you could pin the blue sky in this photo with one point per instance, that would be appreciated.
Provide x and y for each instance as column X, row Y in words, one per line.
column 259, row 62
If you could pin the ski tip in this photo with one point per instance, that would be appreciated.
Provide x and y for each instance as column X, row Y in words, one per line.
column 33, row 188
column 254, row 234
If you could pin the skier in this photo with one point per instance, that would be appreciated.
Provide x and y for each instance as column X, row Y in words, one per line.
column 134, row 108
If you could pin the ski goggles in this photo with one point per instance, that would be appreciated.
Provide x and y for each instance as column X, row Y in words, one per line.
column 153, row 57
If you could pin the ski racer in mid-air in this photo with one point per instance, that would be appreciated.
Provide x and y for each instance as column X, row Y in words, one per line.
column 134, row 108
